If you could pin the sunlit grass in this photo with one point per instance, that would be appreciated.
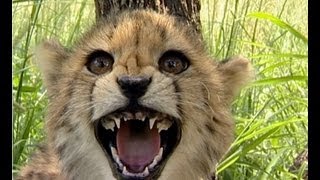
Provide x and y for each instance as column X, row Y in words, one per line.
column 34, row 21
column 270, row 113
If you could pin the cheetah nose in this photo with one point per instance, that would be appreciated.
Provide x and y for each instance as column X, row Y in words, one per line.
column 134, row 86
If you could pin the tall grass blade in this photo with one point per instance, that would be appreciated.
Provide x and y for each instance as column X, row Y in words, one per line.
column 267, row 173
column 280, row 23
column 229, row 161
column 273, row 81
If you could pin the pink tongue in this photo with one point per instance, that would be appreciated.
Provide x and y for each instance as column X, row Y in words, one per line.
column 137, row 149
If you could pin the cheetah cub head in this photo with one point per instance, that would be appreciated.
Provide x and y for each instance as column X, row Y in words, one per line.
column 138, row 97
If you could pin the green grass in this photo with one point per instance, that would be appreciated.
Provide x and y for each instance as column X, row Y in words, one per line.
column 271, row 113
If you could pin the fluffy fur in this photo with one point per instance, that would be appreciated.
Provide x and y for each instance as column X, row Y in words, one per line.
column 200, row 97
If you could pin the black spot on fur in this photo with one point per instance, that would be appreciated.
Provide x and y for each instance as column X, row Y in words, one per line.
column 209, row 151
column 206, row 104
column 199, row 130
column 64, row 110
column 41, row 149
column 71, row 127
column 162, row 32
column 72, row 164
column 209, row 128
column 65, row 124
column 61, row 151
column 137, row 40
column 216, row 120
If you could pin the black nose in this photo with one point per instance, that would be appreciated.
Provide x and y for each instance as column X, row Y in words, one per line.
column 134, row 86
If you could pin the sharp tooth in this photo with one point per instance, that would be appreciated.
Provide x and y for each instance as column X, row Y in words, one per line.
column 156, row 159
column 151, row 122
column 163, row 125
column 125, row 172
column 153, row 164
column 114, row 152
column 128, row 116
column 108, row 124
column 145, row 172
column 117, row 121
column 160, row 153
column 116, row 157
column 140, row 116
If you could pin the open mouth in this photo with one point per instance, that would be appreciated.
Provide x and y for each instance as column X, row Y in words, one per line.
column 137, row 143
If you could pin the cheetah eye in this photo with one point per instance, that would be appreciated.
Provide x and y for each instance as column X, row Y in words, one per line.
column 173, row 62
column 99, row 62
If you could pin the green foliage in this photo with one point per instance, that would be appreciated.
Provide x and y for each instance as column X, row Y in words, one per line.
column 270, row 113
column 34, row 21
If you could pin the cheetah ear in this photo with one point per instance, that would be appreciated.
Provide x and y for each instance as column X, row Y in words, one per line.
column 236, row 72
column 50, row 56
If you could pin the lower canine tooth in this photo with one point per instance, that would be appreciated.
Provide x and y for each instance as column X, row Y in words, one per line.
column 108, row 124
column 145, row 172
column 125, row 172
column 116, row 157
column 156, row 159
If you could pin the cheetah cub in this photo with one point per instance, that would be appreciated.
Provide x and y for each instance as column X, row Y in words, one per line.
column 138, row 97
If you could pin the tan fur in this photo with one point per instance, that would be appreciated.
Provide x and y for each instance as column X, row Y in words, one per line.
column 137, row 40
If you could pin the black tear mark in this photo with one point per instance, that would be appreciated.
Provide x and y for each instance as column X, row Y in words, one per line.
column 178, row 94
column 91, row 99
column 137, row 35
column 84, row 83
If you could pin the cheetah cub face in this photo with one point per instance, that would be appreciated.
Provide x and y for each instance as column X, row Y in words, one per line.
column 139, row 98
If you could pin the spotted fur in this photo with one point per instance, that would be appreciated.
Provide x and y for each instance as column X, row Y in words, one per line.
column 199, row 96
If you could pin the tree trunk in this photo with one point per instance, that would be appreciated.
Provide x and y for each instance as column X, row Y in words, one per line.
column 187, row 10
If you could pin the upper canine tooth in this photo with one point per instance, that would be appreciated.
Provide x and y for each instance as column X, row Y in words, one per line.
column 163, row 125
column 108, row 124
column 117, row 120
column 151, row 122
